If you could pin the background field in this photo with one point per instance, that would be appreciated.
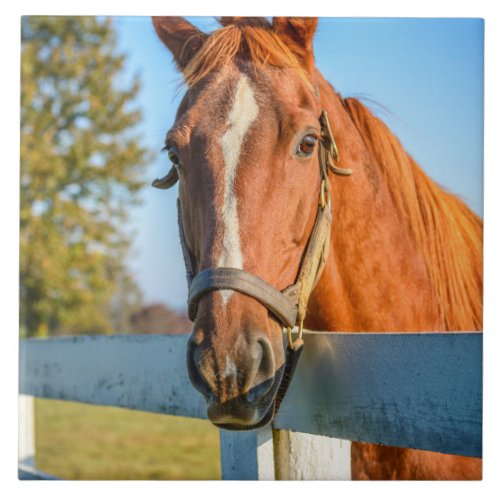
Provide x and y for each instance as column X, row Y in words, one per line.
column 77, row 441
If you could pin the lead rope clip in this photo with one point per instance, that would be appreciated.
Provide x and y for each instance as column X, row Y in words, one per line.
column 298, row 342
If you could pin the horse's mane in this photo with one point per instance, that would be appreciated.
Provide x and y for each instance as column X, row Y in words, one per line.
column 447, row 232
column 247, row 39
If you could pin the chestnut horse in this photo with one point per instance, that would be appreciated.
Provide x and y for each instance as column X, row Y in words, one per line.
column 404, row 256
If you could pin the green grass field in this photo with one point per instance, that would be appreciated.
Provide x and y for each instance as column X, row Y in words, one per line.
column 77, row 441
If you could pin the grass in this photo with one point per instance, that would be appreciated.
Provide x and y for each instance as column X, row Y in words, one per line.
column 78, row 441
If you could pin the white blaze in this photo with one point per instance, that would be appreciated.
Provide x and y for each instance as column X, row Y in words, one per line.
column 243, row 112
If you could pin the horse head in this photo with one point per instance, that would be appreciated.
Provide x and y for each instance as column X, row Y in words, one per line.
column 245, row 148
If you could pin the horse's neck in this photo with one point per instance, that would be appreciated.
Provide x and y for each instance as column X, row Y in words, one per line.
column 375, row 278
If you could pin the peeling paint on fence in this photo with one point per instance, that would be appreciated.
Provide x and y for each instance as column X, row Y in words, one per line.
column 142, row 372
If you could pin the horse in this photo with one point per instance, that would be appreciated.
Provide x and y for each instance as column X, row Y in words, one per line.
column 299, row 206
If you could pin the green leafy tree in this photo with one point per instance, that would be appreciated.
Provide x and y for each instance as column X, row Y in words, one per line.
column 81, row 163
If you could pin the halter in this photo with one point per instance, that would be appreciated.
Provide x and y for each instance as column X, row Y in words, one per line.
column 288, row 305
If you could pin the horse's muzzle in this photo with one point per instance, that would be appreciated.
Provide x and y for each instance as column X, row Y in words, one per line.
column 239, row 389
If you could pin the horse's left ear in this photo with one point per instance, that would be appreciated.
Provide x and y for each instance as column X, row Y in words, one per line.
column 181, row 38
column 298, row 34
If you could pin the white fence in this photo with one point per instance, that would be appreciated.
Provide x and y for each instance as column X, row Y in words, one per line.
column 420, row 391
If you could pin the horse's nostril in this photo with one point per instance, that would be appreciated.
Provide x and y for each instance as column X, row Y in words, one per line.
column 263, row 371
column 266, row 367
column 194, row 371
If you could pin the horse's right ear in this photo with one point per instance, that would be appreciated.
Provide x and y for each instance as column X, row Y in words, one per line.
column 180, row 37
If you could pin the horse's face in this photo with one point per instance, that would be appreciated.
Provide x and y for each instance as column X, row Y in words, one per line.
column 246, row 141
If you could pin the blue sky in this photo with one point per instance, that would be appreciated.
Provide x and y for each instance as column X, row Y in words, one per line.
column 423, row 77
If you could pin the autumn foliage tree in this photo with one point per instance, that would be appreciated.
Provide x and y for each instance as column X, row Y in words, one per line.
column 81, row 163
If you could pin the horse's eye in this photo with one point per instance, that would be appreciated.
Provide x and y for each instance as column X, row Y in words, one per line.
column 172, row 155
column 307, row 145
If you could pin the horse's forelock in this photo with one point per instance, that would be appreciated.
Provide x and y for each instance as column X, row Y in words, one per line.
column 248, row 39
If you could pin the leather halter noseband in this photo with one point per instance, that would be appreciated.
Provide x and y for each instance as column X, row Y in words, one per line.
column 288, row 305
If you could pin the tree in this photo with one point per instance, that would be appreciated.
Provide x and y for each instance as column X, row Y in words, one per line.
column 81, row 162
column 159, row 318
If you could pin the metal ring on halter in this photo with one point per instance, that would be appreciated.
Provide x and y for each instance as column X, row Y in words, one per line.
column 292, row 343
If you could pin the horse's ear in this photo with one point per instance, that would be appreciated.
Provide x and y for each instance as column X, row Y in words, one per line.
column 181, row 38
column 298, row 34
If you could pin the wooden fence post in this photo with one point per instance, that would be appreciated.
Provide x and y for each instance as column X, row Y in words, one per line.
column 305, row 456
column 247, row 455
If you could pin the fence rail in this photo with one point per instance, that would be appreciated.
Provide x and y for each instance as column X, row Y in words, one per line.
column 419, row 391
